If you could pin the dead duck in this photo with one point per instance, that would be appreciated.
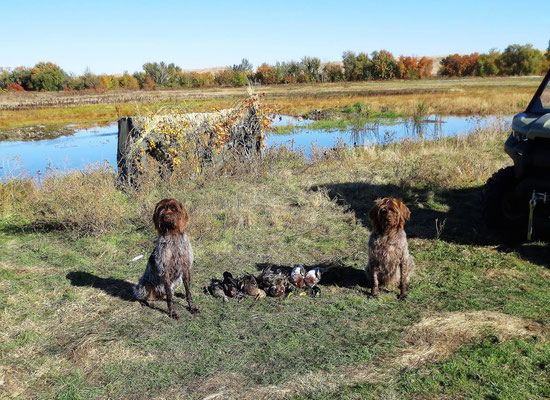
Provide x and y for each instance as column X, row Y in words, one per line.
column 274, row 283
column 249, row 285
column 230, row 285
column 312, row 278
column 297, row 276
column 216, row 289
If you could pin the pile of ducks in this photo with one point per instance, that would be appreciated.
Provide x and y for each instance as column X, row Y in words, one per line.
column 274, row 283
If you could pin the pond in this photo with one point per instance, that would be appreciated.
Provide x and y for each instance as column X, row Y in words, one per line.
column 99, row 144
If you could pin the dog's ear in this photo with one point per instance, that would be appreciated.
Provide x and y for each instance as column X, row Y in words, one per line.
column 184, row 217
column 156, row 215
column 404, row 210
column 404, row 213
column 373, row 214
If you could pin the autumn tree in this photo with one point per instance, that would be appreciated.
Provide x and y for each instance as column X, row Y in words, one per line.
column 459, row 65
column 311, row 67
column 383, row 65
column 333, row 72
column 519, row 59
column 47, row 76
column 127, row 81
column 487, row 65
column 349, row 61
column 164, row 75
column 266, row 75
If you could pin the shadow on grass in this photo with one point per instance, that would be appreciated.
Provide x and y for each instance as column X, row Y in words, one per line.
column 336, row 274
column 452, row 215
column 113, row 287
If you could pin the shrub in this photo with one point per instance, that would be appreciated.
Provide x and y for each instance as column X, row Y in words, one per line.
column 15, row 87
column 21, row 76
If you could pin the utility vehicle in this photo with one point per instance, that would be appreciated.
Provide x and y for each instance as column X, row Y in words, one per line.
column 514, row 195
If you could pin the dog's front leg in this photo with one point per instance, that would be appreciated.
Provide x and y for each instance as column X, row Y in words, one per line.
column 169, row 301
column 186, row 278
column 374, row 280
column 403, row 286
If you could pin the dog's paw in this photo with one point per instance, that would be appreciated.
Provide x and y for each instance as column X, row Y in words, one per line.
column 194, row 310
column 174, row 315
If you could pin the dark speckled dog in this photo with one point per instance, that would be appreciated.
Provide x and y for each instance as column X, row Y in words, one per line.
column 170, row 263
column 389, row 258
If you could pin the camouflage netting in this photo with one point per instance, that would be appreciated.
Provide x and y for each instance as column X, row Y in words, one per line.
column 189, row 140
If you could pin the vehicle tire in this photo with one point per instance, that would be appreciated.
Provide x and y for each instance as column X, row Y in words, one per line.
column 503, row 208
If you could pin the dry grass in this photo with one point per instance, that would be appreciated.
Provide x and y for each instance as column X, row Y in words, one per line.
column 437, row 337
column 83, row 202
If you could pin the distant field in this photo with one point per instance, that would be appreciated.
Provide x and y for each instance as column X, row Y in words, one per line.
column 447, row 96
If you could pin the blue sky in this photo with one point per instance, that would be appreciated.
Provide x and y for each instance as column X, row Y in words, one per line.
column 113, row 36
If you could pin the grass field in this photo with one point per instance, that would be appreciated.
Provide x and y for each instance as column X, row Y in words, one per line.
column 475, row 324
column 447, row 97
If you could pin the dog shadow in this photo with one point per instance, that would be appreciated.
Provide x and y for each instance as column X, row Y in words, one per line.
column 113, row 287
column 336, row 274
column 454, row 216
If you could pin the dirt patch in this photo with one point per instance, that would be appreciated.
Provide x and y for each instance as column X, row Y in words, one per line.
column 437, row 337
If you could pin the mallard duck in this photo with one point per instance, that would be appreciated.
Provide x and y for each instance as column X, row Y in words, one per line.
column 277, row 290
column 297, row 276
column 216, row 289
column 249, row 285
column 313, row 276
column 230, row 285
column 274, row 283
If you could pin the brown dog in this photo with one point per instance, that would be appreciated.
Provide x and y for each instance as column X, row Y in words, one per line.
column 389, row 258
column 171, row 261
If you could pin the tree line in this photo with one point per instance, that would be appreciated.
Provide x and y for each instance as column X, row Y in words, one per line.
column 379, row 65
